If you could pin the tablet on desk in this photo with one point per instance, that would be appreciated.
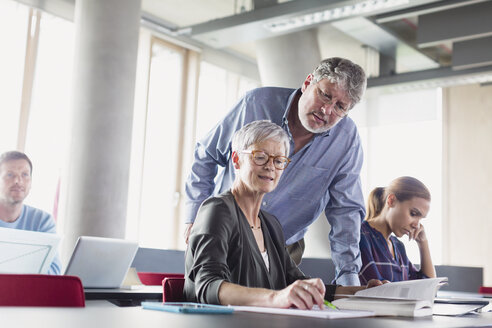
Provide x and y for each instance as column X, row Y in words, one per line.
column 184, row 307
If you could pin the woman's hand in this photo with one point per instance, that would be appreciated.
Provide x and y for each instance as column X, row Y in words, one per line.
column 426, row 266
column 302, row 294
column 419, row 235
column 376, row 282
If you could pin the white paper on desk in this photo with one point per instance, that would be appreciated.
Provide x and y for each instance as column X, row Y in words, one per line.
column 23, row 251
column 454, row 309
column 131, row 281
column 326, row 313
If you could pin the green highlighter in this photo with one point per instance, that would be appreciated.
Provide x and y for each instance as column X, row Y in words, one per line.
column 328, row 304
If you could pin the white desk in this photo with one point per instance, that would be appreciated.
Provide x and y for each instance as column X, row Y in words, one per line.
column 104, row 314
column 450, row 294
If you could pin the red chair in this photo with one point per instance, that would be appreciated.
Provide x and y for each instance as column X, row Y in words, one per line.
column 485, row 290
column 172, row 289
column 155, row 278
column 41, row 290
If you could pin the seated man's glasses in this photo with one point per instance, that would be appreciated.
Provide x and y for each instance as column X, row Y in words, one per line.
column 326, row 99
column 261, row 158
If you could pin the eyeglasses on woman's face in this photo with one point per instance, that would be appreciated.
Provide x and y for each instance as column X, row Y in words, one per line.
column 261, row 158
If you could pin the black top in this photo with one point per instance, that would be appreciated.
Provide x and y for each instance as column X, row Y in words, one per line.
column 222, row 247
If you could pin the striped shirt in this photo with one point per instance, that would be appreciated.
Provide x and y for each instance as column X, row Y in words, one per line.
column 379, row 263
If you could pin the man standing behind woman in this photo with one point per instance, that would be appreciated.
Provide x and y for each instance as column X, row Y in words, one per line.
column 396, row 209
column 326, row 154
column 236, row 253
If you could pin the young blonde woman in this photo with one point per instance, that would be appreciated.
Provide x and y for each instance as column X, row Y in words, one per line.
column 392, row 212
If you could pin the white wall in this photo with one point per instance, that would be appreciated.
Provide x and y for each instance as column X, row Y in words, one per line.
column 467, row 177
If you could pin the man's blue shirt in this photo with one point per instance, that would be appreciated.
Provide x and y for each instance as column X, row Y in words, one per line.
column 34, row 219
column 323, row 175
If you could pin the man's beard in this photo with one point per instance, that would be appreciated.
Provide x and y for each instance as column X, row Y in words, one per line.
column 305, row 123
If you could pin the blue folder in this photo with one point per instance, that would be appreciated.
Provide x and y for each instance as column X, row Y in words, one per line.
column 184, row 307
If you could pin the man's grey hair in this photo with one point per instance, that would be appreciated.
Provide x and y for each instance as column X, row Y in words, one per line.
column 257, row 132
column 13, row 156
column 347, row 75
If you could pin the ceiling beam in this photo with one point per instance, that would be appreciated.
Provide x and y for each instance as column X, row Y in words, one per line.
column 389, row 46
column 260, row 23
column 426, row 75
column 427, row 8
column 249, row 26
column 472, row 53
column 257, row 4
column 458, row 24
column 60, row 8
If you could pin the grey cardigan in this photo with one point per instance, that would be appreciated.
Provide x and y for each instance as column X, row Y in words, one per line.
column 222, row 247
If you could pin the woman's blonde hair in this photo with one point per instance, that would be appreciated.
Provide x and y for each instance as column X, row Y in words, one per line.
column 257, row 132
column 404, row 188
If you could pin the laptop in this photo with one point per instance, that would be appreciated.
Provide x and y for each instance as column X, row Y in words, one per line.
column 101, row 262
column 23, row 251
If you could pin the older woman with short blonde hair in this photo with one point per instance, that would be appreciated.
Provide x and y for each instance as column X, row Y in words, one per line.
column 236, row 253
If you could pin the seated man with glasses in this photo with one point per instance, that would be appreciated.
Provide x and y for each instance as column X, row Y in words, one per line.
column 236, row 253
column 326, row 159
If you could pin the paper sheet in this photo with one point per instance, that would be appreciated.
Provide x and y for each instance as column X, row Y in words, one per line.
column 326, row 313
column 131, row 281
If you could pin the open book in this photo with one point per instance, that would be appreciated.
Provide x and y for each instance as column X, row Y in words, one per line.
column 412, row 298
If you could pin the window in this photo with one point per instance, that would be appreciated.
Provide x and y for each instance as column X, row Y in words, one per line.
column 13, row 31
column 48, row 133
column 402, row 136
column 36, row 72
column 158, row 200
column 218, row 91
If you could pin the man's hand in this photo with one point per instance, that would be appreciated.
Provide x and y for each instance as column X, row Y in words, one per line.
column 187, row 231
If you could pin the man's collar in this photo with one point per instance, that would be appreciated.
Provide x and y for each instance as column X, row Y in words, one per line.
column 292, row 97
column 10, row 213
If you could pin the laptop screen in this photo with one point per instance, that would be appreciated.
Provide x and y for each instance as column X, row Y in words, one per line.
column 101, row 262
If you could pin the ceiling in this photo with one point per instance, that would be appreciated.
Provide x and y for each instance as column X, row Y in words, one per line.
column 415, row 40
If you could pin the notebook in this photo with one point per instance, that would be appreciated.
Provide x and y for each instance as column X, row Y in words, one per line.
column 101, row 262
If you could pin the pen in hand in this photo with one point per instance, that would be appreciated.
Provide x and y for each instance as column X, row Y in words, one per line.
column 330, row 305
